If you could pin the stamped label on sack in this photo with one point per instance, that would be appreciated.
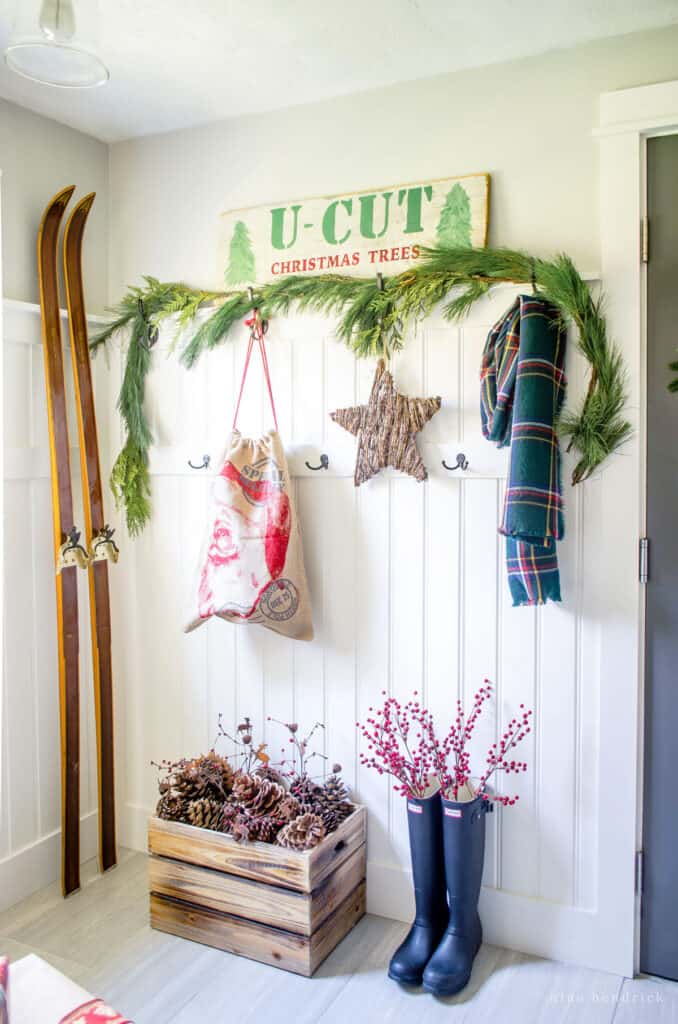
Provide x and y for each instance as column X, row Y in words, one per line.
column 415, row 809
column 453, row 812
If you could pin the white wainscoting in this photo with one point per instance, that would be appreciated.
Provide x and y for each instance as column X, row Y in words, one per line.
column 30, row 791
column 409, row 592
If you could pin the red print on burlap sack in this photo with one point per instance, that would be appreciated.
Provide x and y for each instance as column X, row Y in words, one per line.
column 249, row 542
column 94, row 1012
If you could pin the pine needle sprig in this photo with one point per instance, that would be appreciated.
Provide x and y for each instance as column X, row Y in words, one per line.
column 215, row 329
column 131, row 486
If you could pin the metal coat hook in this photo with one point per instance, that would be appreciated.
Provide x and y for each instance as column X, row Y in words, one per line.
column 255, row 309
column 203, row 465
column 324, row 463
column 462, row 463
column 152, row 332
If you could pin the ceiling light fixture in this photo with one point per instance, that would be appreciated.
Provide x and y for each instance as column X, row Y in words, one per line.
column 46, row 46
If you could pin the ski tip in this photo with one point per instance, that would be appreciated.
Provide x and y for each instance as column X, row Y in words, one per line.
column 85, row 204
column 62, row 198
column 75, row 225
column 58, row 203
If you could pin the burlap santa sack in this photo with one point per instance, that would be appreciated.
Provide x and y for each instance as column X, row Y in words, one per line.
column 251, row 569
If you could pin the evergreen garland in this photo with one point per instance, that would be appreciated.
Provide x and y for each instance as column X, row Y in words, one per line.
column 372, row 322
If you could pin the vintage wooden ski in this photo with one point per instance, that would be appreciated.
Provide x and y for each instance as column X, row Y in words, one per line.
column 68, row 552
column 98, row 535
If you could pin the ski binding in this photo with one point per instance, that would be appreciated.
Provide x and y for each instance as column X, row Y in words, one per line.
column 103, row 548
column 72, row 552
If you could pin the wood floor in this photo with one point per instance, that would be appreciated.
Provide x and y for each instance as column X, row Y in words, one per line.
column 100, row 937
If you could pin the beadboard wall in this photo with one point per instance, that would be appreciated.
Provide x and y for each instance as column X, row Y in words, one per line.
column 409, row 592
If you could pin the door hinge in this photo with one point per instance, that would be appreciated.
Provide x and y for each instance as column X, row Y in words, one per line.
column 644, row 559
column 639, row 871
column 645, row 240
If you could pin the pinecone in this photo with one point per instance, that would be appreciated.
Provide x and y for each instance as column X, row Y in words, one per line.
column 331, row 820
column 334, row 790
column 261, row 829
column 303, row 833
column 223, row 771
column 306, row 790
column 208, row 775
column 265, row 771
column 312, row 808
column 333, row 798
column 205, row 813
column 288, row 808
column 267, row 798
column 245, row 789
column 228, row 815
column 171, row 808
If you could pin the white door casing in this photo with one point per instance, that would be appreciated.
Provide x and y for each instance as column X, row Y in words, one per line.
column 628, row 118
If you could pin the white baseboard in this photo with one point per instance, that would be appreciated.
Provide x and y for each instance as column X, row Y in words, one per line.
column 511, row 920
column 133, row 827
column 389, row 891
column 36, row 866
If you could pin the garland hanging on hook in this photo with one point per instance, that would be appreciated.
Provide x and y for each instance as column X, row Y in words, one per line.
column 373, row 316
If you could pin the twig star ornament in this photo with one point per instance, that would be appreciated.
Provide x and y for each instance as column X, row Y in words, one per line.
column 386, row 428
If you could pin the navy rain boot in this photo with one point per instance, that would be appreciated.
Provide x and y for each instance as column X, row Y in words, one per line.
column 424, row 819
column 449, row 969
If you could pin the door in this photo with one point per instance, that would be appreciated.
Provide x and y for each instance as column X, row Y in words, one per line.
column 659, row 907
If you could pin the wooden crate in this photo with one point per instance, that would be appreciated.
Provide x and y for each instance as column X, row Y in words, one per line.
column 282, row 907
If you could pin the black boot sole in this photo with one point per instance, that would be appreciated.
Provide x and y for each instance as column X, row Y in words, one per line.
column 409, row 982
column 441, row 992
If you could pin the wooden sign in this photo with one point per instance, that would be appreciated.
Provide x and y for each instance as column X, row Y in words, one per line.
column 357, row 233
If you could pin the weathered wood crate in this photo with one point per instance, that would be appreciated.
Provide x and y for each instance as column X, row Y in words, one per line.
column 282, row 907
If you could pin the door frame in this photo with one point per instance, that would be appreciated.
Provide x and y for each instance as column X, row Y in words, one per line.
column 628, row 118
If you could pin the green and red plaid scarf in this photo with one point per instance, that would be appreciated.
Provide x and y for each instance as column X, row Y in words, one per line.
column 522, row 389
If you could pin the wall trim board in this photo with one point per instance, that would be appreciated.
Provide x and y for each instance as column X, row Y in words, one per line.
column 648, row 108
column 627, row 118
column 19, row 306
column 39, row 864
column 133, row 826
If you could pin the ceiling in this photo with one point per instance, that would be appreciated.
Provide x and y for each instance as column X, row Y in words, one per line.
column 175, row 63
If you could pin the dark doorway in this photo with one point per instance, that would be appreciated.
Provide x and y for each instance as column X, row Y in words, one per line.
column 659, row 907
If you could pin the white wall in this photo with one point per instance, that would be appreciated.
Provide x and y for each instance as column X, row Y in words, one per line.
column 387, row 616
column 37, row 158
column 528, row 123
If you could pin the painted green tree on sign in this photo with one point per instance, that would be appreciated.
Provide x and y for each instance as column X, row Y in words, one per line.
column 241, row 266
column 454, row 226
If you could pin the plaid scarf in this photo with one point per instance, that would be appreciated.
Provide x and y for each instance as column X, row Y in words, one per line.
column 522, row 389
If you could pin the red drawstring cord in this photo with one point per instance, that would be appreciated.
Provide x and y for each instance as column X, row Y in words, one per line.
column 256, row 332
